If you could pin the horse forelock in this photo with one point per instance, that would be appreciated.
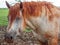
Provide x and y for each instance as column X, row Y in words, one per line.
column 14, row 12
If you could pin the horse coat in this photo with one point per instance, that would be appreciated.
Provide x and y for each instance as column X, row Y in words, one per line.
column 42, row 17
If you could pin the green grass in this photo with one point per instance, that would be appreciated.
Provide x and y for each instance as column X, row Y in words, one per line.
column 3, row 16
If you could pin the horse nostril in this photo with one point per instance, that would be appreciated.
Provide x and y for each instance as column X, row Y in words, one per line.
column 8, row 36
column 11, row 37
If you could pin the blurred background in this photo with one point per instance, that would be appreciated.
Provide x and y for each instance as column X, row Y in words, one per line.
column 2, row 2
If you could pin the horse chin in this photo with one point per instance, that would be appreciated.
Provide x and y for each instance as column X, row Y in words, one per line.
column 9, row 40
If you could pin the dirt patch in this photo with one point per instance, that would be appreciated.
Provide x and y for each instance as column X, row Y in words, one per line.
column 26, row 38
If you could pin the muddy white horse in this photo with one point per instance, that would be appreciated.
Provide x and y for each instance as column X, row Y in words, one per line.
column 42, row 17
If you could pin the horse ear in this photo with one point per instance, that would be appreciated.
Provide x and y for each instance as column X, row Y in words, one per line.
column 7, row 4
column 21, row 5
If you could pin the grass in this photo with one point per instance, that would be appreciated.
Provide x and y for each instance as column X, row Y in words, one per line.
column 3, row 16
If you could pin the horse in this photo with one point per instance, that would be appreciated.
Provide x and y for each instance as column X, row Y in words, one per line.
column 42, row 17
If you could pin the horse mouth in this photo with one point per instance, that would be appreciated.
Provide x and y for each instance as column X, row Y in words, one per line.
column 8, row 40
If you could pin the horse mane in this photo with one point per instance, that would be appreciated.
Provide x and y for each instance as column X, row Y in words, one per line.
column 36, row 9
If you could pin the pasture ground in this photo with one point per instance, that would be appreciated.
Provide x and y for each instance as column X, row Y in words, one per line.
column 26, row 38
column 3, row 16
